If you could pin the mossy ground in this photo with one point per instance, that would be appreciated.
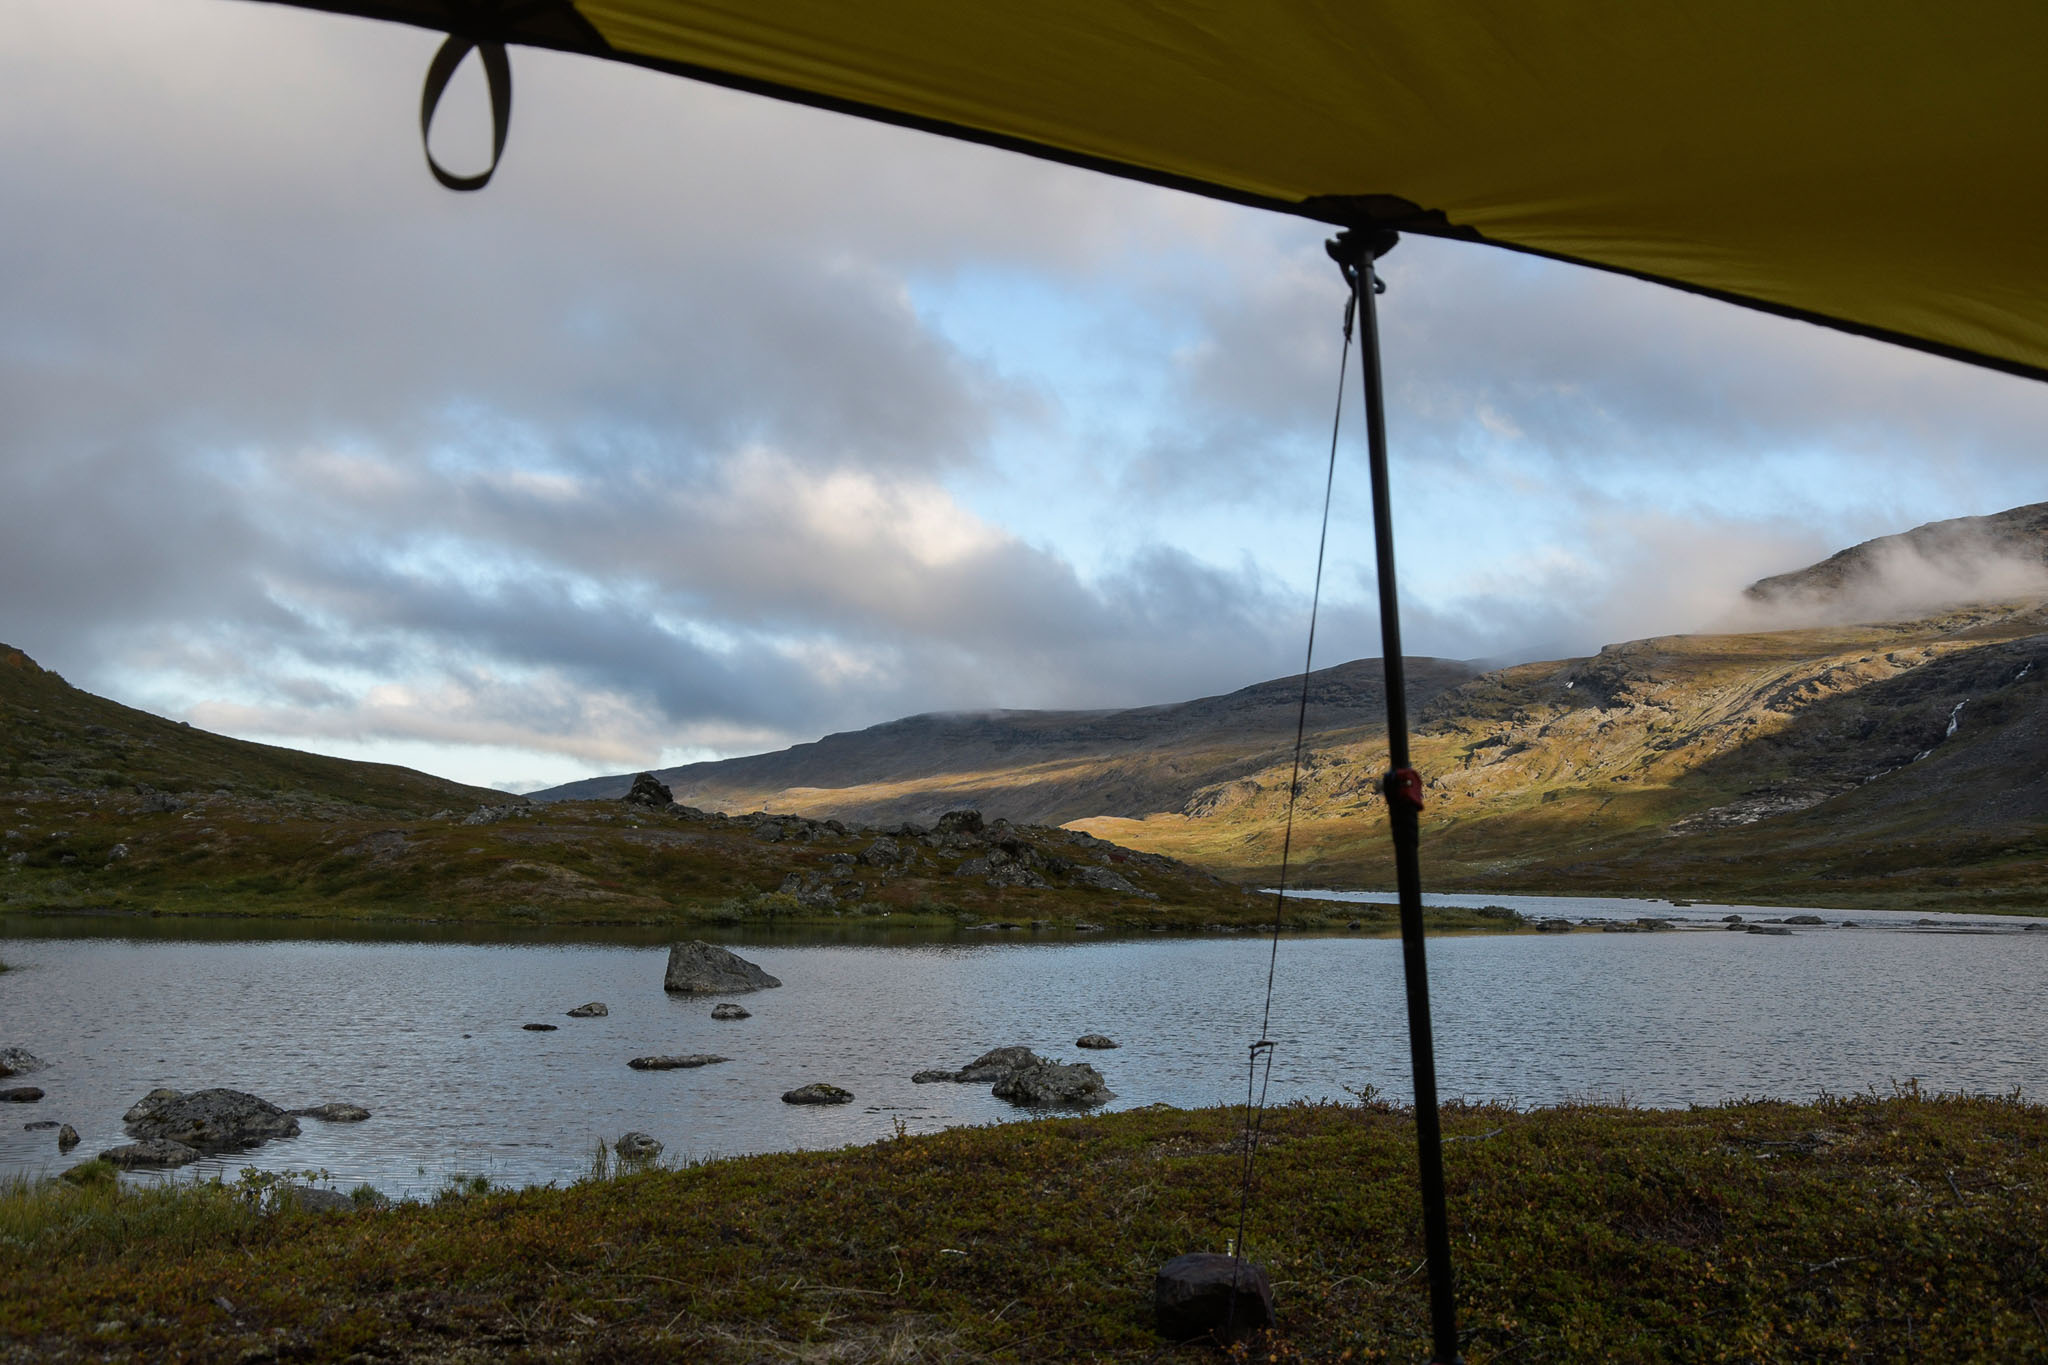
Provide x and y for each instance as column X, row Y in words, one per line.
column 1898, row 1228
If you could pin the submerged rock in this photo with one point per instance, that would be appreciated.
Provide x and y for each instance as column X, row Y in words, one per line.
column 700, row 968
column 1207, row 1294
column 19, row 1061
column 730, row 1011
column 39, row 1126
column 675, row 1063
column 211, row 1120
column 335, row 1111
column 1096, row 1041
column 20, row 1094
column 636, row 1146
column 817, row 1093
column 151, row 1152
column 594, row 1010
column 539, row 1028
column 1066, row 1084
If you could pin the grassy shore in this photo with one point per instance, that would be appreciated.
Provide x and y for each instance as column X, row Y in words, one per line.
column 1852, row 1229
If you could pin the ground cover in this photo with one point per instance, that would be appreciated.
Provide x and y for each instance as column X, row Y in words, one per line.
column 1866, row 1228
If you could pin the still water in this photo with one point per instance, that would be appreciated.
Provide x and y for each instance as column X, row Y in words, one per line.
column 428, row 1035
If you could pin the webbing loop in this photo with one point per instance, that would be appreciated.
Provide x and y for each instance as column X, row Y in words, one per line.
column 498, row 73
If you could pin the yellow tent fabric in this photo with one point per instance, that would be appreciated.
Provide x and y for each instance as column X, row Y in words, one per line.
column 1875, row 165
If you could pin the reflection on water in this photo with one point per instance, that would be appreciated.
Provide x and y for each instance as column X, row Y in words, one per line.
column 427, row 1034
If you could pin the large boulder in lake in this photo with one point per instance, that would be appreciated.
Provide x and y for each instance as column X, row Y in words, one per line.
column 1068, row 1085
column 209, row 1120
column 700, row 968
column 152, row 1152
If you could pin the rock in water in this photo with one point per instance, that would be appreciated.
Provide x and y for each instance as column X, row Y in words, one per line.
column 997, row 1063
column 334, row 1112
column 1096, row 1041
column 636, row 1147
column 19, row 1061
column 67, row 1138
column 818, row 1093
column 649, row 790
column 730, row 1012
column 38, row 1125
column 1205, row 1294
column 211, row 1120
column 674, row 1063
column 152, row 1152
column 20, row 1094
column 700, row 968
column 539, row 1028
column 927, row 1076
column 594, row 1010
column 1074, row 1084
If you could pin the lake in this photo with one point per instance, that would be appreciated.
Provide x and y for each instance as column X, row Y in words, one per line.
column 428, row 1035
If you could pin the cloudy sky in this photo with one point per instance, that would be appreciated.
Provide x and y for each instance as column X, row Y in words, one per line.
column 713, row 425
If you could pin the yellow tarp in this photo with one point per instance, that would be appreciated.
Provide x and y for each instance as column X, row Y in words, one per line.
column 1873, row 164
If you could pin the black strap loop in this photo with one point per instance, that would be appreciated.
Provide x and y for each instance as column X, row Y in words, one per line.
column 497, row 71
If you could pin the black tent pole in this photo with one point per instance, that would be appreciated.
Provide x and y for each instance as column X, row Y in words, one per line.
column 1356, row 251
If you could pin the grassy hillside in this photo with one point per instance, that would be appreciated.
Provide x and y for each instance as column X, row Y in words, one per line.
column 108, row 809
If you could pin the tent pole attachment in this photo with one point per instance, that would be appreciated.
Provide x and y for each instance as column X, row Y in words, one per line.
column 1355, row 252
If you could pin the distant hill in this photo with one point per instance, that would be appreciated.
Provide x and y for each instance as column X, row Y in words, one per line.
column 1044, row 767
column 1892, row 749
column 1943, row 563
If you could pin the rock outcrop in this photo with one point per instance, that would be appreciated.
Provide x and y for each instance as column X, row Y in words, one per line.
column 636, row 1146
column 700, row 968
column 649, row 790
column 675, row 1063
column 817, row 1093
column 1071, row 1085
column 209, row 1120
column 152, row 1152
column 335, row 1111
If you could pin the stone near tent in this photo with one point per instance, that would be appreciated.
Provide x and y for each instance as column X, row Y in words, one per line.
column 637, row 1146
column 1207, row 1294
column 1096, row 1041
column 335, row 1111
column 817, row 1093
column 20, row 1094
column 594, row 1010
column 700, row 968
column 675, row 1063
column 211, row 1120
column 1067, row 1085
column 152, row 1152
column 649, row 790
column 730, row 1011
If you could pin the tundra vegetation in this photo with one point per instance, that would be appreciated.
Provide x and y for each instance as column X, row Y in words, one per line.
column 1860, row 1228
